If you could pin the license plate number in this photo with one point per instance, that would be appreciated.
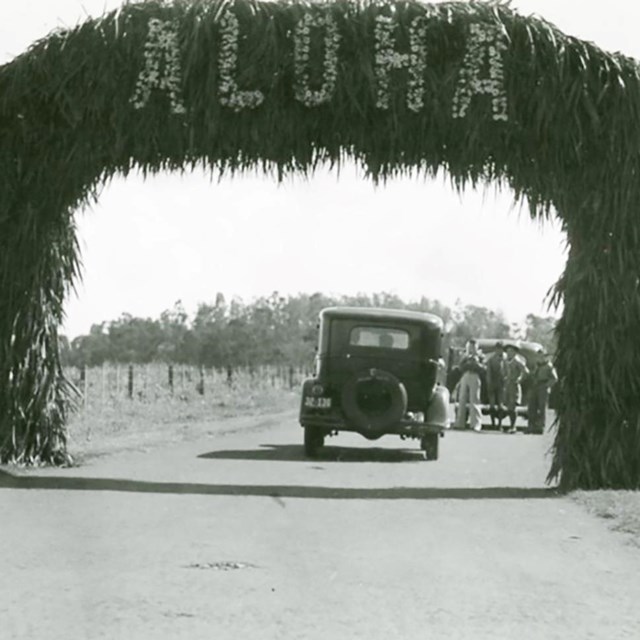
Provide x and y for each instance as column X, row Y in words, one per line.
column 317, row 403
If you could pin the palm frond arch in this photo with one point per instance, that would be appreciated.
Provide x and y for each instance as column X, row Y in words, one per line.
column 405, row 87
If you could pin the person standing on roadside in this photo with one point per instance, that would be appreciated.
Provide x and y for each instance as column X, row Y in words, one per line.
column 515, row 370
column 471, row 367
column 543, row 377
column 495, row 384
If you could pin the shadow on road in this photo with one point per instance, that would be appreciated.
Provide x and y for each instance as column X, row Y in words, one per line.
column 295, row 453
column 59, row 483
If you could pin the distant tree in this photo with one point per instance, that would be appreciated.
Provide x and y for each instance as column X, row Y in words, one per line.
column 302, row 317
column 541, row 330
column 92, row 349
column 134, row 339
column 206, row 342
column 436, row 307
column 268, row 333
column 174, row 328
column 273, row 329
column 472, row 321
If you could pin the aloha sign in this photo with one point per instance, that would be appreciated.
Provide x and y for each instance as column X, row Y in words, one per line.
column 481, row 72
column 471, row 88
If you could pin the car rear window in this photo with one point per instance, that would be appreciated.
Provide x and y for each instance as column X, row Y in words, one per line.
column 381, row 337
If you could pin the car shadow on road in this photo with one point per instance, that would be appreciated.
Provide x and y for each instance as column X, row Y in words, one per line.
column 277, row 492
column 295, row 453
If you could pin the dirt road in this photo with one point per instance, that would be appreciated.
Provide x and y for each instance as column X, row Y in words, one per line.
column 240, row 537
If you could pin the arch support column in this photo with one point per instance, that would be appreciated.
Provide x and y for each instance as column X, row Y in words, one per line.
column 37, row 263
column 597, row 444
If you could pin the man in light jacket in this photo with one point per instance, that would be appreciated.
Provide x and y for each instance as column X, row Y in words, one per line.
column 471, row 367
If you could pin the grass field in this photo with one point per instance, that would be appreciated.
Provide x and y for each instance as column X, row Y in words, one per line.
column 109, row 420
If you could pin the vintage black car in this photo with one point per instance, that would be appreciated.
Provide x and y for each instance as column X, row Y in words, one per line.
column 377, row 372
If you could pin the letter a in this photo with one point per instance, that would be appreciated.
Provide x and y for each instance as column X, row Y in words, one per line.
column 485, row 46
column 161, row 46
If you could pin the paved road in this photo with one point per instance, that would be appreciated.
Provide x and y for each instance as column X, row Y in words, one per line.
column 240, row 537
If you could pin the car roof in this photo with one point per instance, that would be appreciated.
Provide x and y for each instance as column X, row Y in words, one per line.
column 375, row 313
column 522, row 345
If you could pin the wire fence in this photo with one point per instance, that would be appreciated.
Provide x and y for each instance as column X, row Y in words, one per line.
column 153, row 382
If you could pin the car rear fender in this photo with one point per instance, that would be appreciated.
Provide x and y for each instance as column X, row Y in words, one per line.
column 438, row 408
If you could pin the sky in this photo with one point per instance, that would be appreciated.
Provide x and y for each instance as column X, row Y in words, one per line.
column 149, row 243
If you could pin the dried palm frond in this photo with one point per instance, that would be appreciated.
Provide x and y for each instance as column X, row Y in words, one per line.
column 569, row 148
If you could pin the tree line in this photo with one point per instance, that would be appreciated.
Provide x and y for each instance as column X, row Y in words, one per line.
column 270, row 330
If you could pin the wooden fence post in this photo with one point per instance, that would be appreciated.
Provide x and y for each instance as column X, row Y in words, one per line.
column 130, row 382
column 83, row 382
column 171, row 379
column 200, row 385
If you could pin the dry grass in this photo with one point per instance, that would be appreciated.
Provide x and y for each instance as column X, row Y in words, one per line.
column 621, row 508
column 110, row 421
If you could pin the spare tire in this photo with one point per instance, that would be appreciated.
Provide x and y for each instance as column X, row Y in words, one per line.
column 373, row 400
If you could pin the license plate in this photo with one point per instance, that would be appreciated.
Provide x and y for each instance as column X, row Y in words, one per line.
column 317, row 403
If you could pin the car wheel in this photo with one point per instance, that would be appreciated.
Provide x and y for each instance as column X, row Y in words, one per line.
column 430, row 446
column 313, row 441
column 374, row 400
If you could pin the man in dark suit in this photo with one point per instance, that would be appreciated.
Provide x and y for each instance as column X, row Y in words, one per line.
column 543, row 377
column 495, row 384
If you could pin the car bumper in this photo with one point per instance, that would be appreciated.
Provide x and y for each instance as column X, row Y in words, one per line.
column 408, row 428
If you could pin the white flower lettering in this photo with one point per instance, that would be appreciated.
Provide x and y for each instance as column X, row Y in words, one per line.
column 301, row 52
column 230, row 95
column 487, row 42
column 161, row 46
column 387, row 59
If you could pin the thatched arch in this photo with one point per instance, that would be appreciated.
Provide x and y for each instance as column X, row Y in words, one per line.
column 471, row 87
